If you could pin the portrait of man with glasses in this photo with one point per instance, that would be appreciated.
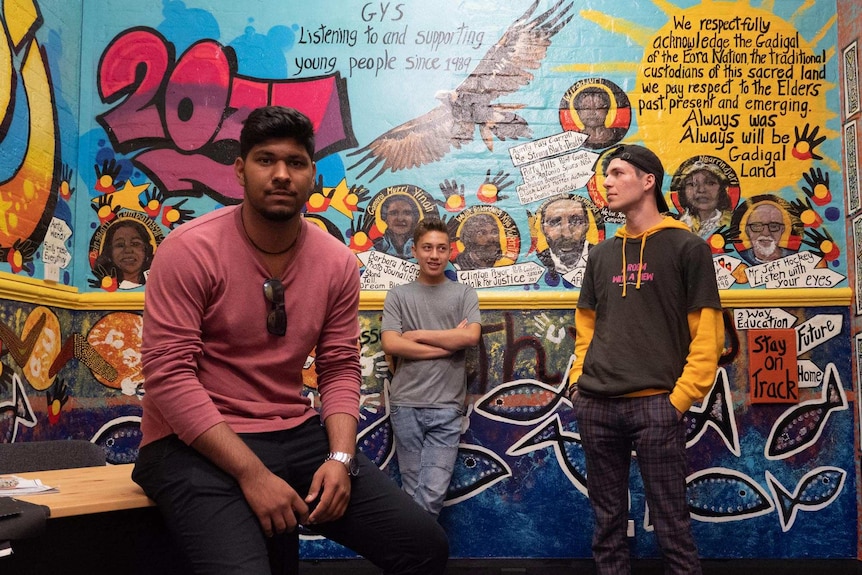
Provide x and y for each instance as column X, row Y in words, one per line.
column 766, row 229
column 233, row 454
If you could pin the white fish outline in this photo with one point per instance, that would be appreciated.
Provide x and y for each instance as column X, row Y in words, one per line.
column 832, row 387
column 108, row 427
column 384, row 426
column 729, row 474
column 557, row 439
column 789, row 504
column 699, row 418
column 20, row 407
column 559, row 397
column 484, row 454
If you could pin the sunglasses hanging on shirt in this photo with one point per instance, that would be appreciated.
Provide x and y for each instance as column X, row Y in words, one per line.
column 276, row 320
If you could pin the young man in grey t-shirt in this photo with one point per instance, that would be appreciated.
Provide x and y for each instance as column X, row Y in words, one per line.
column 427, row 326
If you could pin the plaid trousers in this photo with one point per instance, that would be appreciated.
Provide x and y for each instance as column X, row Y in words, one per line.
column 610, row 429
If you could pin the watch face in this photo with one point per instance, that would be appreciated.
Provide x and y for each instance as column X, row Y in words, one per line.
column 353, row 467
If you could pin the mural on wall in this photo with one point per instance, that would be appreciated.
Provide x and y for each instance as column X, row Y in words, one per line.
column 471, row 106
column 29, row 135
column 768, row 464
column 102, row 359
column 755, row 467
column 742, row 109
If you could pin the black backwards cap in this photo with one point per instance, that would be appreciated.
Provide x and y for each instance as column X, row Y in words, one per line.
column 644, row 160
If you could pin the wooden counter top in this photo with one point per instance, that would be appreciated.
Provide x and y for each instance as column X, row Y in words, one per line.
column 88, row 490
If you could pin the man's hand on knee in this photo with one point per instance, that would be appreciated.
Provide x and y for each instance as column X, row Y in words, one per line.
column 275, row 503
column 331, row 485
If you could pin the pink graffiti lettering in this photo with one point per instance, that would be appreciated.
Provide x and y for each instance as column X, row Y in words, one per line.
column 181, row 120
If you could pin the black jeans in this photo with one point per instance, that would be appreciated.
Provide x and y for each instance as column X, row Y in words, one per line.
column 218, row 533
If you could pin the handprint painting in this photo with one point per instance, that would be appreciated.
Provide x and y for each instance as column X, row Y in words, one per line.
column 121, row 251
column 472, row 135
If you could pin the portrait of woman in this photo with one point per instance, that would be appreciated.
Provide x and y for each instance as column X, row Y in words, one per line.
column 400, row 214
column 702, row 193
column 598, row 108
column 127, row 252
column 391, row 216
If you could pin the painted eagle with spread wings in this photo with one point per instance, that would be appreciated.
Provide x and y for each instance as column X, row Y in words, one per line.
column 503, row 70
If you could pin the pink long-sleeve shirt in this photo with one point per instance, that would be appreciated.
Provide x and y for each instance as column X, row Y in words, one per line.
column 207, row 356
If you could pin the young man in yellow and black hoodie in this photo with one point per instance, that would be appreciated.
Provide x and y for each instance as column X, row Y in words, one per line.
column 649, row 335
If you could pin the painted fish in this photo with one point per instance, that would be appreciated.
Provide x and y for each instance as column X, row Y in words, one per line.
column 716, row 411
column 120, row 438
column 567, row 448
column 15, row 413
column 801, row 425
column 524, row 401
column 719, row 494
column 476, row 469
column 377, row 441
column 817, row 489
column 521, row 402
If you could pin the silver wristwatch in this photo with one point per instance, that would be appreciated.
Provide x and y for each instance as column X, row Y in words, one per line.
column 348, row 460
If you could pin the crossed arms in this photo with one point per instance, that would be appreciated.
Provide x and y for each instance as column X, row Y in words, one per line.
column 431, row 343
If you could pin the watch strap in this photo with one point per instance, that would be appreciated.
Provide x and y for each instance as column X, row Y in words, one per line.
column 349, row 461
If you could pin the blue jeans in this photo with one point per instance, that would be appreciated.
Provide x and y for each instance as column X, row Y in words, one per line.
column 426, row 443
column 207, row 514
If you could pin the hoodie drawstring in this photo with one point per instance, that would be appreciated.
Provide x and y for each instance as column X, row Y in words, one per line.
column 640, row 262
column 625, row 278
column 666, row 223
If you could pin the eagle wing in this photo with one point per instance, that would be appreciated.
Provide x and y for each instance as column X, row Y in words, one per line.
column 505, row 67
column 503, row 70
column 420, row 141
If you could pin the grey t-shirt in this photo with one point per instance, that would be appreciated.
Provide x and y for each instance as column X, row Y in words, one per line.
column 430, row 382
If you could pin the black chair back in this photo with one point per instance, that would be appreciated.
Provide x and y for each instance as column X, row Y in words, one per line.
column 54, row 454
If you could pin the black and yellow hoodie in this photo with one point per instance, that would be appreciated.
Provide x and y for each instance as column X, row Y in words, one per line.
column 649, row 317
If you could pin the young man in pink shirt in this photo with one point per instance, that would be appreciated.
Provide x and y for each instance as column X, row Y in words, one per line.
column 232, row 452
